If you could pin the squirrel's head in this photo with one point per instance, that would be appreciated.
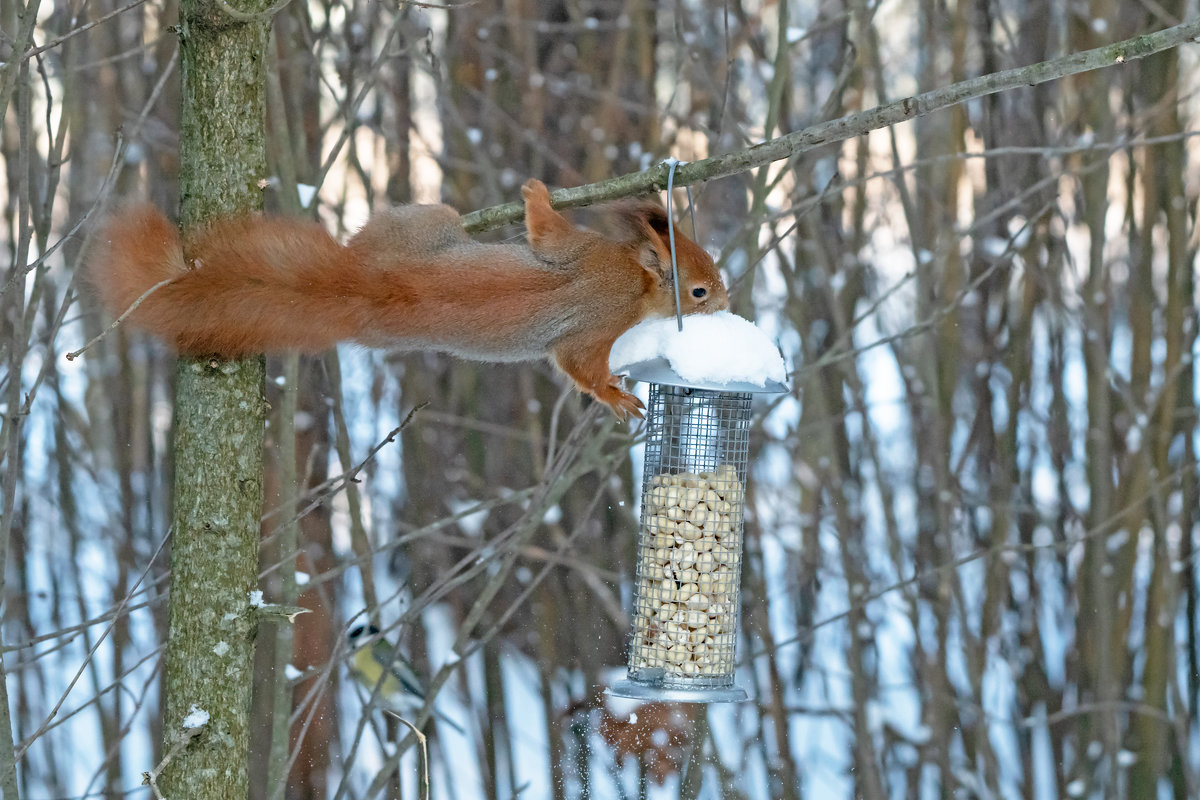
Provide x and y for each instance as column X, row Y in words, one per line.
column 642, row 230
column 644, row 225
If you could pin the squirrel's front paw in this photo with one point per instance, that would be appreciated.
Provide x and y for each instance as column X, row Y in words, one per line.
column 622, row 403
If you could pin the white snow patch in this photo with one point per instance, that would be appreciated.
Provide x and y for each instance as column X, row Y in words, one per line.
column 306, row 193
column 994, row 246
column 256, row 598
column 221, row 648
column 290, row 672
column 471, row 523
column 196, row 717
column 718, row 348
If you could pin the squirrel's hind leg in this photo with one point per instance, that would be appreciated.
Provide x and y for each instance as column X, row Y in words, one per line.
column 551, row 236
column 394, row 235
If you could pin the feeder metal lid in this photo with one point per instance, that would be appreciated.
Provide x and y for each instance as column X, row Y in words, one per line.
column 658, row 370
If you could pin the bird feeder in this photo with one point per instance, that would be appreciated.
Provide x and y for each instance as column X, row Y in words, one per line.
column 689, row 549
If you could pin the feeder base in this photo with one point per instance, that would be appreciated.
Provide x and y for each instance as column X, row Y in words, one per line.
column 640, row 691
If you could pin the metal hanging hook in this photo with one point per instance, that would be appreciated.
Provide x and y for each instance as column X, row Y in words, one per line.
column 672, row 163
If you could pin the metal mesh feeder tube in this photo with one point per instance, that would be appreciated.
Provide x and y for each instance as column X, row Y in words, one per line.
column 689, row 549
column 686, row 600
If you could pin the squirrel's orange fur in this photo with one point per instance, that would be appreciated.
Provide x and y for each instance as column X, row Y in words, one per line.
column 410, row 278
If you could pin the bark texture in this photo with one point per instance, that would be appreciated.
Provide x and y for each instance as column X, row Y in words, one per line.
column 219, row 417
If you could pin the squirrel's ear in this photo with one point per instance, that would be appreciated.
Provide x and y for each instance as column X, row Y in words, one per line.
column 644, row 225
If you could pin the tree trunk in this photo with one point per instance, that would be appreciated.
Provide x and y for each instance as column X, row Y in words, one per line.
column 219, row 417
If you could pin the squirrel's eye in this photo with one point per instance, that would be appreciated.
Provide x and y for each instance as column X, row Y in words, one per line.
column 699, row 292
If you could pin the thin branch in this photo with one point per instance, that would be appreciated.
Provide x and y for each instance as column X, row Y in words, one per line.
column 150, row 778
column 424, row 754
column 87, row 26
column 847, row 127
column 23, row 749
column 1101, row 529
column 133, row 307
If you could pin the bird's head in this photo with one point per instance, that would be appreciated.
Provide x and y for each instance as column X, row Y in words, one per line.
column 363, row 633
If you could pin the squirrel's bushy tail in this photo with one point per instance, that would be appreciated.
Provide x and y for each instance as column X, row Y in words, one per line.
column 135, row 249
column 247, row 285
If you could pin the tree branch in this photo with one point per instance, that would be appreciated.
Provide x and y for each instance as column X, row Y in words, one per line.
column 848, row 127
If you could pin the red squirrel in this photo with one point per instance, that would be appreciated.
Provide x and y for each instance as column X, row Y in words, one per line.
column 410, row 278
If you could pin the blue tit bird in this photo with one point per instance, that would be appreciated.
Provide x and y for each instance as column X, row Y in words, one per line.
column 402, row 690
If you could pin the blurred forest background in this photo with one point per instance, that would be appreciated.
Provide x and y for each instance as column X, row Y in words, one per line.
column 970, row 565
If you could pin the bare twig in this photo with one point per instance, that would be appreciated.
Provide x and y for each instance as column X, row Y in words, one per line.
column 87, row 26
column 151, row 778
column 424, row 752
column 24, row 748
column 1101, row 529
column 133, row 307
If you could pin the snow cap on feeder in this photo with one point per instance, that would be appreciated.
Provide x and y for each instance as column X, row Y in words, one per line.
column 719, row 351
column 689, row 550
